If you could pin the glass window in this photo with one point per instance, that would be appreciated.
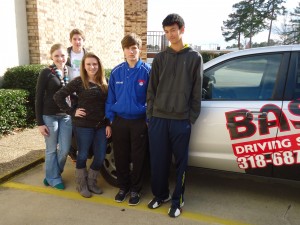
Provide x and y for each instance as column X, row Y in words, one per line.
column 243, row 78
column 297, row 82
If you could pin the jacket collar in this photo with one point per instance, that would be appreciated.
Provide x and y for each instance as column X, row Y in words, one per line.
column 137, row 65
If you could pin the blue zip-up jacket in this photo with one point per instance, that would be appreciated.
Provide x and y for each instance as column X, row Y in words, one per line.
column 127, row 91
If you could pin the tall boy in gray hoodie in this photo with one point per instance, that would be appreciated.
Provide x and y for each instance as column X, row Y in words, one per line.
column 173, row 103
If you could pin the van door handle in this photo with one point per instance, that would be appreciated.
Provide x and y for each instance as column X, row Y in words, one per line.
column 261, row 115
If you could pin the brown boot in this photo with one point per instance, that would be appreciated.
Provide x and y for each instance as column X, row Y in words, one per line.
column 92, row 182
column 81, row 183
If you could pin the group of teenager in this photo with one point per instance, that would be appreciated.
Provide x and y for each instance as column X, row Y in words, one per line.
column 142, row 107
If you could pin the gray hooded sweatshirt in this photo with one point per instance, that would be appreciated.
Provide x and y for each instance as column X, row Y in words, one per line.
column 175, row 86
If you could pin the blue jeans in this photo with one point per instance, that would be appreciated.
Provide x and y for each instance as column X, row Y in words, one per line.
column 86, row 137
column 57, row 146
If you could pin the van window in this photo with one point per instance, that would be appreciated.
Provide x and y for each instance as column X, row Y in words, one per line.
column 243, row 78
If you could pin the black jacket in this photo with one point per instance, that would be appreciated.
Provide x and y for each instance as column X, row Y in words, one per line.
column 47, row 85
column 92, row 100
column 69, row 49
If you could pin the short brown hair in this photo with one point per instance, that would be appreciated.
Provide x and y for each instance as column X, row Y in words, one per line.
column 131, row 39
column 77, row 31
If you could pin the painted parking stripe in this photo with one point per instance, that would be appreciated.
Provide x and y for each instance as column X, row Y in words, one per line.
column 110, row 202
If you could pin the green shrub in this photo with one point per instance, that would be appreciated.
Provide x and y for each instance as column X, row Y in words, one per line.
column 107, row 73
column 24, row 77
column 14, row 110
column 209, row 55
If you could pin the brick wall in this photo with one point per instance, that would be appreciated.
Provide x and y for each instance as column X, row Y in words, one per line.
column 136, row 12
column 50, row 21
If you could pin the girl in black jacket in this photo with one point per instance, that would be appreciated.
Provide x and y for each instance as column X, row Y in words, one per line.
column 88, row 118
column 54, row 124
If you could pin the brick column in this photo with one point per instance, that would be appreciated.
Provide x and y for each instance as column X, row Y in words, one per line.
column 136, row 12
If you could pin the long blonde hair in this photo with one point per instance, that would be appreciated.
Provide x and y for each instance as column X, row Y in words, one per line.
column 100, row 79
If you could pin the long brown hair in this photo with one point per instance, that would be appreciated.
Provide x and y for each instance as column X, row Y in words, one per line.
column 100, row 79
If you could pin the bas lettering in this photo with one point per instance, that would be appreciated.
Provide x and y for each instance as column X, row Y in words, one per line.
column 283, row 150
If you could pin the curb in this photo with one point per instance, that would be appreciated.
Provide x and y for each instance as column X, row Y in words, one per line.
column 21, row 170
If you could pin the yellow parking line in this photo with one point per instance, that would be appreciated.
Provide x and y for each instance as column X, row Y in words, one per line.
column 108, row 201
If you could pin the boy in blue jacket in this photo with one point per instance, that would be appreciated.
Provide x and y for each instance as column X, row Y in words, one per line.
column 126, row 110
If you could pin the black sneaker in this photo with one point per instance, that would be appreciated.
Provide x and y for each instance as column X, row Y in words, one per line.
column 121, row 196
column 156, row 202
column 134, row 198
column 174, row 211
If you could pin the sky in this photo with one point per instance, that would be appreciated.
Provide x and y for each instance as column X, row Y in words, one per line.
column 203, row 19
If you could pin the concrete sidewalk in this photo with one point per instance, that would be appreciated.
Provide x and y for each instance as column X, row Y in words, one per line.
column 20, row 151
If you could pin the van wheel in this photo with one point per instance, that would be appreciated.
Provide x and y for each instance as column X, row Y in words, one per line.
column 108, row 169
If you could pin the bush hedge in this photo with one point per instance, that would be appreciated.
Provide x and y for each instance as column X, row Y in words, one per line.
column 209, row 55
column 14, row 110
column 107, row 73
column 24, row 77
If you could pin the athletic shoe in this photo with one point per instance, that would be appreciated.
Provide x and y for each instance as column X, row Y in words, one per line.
column 156, row 202
column 174, row 211
column 121, row 196
column 46, row 182
column 60, row 186
column 134, row 198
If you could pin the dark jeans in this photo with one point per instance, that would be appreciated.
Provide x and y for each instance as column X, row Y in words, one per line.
column 73, row 149
column 85, row 138
column 167, row 137
column 130, row 140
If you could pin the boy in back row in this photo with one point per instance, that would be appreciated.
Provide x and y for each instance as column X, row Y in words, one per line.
column 76, row 52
